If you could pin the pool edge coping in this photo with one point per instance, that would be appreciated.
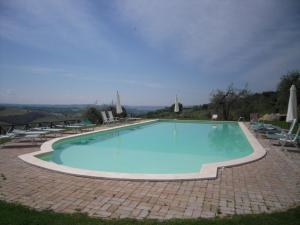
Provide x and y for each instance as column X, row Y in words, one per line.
column 208, row 171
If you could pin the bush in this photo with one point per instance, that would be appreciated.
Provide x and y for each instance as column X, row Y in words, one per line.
column 93, row 115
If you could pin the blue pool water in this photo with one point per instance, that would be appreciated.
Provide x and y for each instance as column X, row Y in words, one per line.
column 158, row 147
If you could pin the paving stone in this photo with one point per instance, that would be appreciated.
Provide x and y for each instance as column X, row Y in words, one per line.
column 269, row 184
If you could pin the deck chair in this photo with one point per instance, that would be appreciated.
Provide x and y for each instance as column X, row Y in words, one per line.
column 7, row 136
column 104, row 117
column 265, row 128
column 290, row 139
column 283, row 133
column 54, row 131
column 19, row 132
column 111, row 117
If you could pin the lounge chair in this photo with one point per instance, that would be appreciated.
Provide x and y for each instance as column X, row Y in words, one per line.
column 19, row 132
column 55, row 131
column 111, row 117
column 24, row 134
column 265, row 128
column 86, row 124
column 7, row 136
column 76, row 126
column 104, row 117
column 283, row 132
column 49, row 129
column 32, row 137
column 290, row 139
column 130, row 118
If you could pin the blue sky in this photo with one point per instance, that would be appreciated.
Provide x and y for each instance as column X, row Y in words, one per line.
column 69, row 51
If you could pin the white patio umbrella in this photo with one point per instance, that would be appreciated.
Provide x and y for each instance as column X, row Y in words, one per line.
column 292, row 108
column 176, row 106
column 118, row 105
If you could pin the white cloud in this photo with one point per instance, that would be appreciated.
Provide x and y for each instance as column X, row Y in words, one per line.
column 49, row 24
column 222, row 37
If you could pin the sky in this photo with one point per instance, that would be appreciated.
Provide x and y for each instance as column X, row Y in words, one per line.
column 82, row 51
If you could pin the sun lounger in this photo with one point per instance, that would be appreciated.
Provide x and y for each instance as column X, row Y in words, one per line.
column 283, row 133
column 6, row 136
column 19, row 132
column 111, row 117
column 32, row 137
column 265, row 128
column 290, row 139
column 48, row 129
column 87, row 125
column 104, row 117
column 54, row 131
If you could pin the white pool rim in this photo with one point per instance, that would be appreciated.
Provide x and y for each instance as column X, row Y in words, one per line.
column 207, row 171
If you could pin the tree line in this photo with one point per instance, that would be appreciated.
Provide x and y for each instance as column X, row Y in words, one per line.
column 233, row 103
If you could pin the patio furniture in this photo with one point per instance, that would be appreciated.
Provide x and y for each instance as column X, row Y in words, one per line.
column 104, row 117
column 87, row 125
column 283, row 132
column 54, row 131
column 111, row 117
column 290, row 139
column 265, row 128
column 19, row 132
column 8, row 135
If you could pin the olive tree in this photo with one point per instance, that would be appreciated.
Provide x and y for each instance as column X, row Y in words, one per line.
column 283, row 89
column 230, row 102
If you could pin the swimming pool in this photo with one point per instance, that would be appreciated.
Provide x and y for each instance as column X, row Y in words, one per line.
column 159, row 148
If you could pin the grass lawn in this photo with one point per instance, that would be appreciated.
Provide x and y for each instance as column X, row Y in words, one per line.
column 12, row 214
column 4, row 140
column 283, row 125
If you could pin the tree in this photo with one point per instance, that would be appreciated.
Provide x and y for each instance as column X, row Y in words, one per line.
column 228, row 101
column 283, row 89
column 93, row 115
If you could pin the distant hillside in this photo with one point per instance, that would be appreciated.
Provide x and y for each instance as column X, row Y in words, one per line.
column 194, row 112
column 23, row 114
column 141, row 110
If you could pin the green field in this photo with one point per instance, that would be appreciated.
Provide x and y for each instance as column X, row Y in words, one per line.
column 13, row 214
column 34, row 114
column 12, row 111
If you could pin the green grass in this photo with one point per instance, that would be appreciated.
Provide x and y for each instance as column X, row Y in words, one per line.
column 4, row 140
column 13, row 214
column 9, row 111
column 283, row 125
column 186, row 114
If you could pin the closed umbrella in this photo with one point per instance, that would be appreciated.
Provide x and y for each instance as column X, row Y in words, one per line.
column 292, row 108
column 118, row 105
column 176, row 107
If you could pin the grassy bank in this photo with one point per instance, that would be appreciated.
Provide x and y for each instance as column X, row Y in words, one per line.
column 13, row 214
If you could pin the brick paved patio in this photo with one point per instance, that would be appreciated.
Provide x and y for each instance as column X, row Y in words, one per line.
column 272, row 183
